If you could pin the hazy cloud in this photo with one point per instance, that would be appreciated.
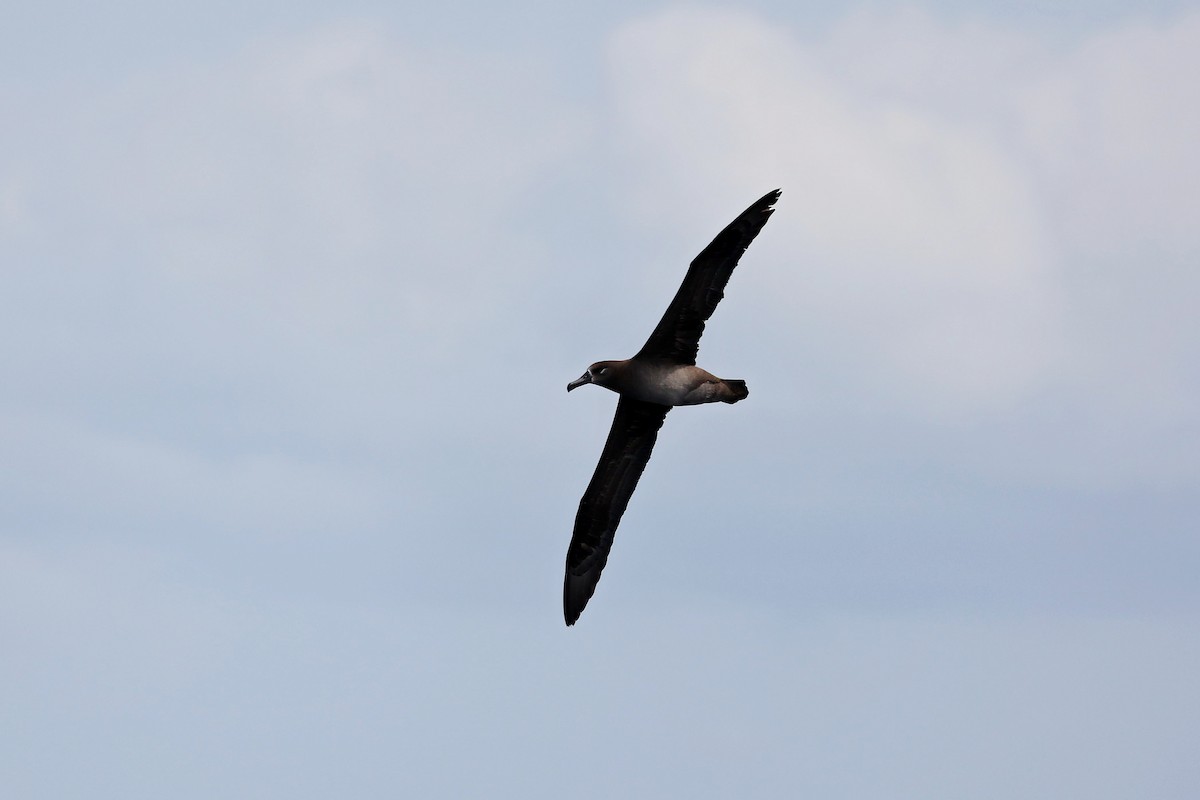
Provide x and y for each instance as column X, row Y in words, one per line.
column 287, row 468
column 933, row 174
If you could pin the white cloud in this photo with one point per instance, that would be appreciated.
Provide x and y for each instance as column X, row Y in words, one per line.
column 941, row 182
column 1113, row 129
column 286, row 448
column 13, row 215
column 63, row 475
column 284, row 243
column 341, row 179
column 237, row 297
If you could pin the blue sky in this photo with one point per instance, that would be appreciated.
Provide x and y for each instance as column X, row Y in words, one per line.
column 289, row 296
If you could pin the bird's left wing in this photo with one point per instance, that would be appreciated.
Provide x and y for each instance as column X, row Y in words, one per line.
column 634, row 429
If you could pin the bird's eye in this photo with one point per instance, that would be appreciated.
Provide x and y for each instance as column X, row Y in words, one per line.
column 602, row 370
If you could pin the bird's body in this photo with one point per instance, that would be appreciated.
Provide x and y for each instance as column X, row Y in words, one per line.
column 662, row 375
column 666, row 383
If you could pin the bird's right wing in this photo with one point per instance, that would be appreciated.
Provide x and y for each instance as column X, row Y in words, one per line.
column 676, row 338
column 634, row 429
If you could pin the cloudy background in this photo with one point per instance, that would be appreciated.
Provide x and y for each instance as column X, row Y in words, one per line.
column 289, row 295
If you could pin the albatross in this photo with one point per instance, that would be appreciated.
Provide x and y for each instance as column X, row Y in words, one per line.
column 663, row 374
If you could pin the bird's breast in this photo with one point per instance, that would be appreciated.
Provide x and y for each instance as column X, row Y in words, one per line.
column 668, row 384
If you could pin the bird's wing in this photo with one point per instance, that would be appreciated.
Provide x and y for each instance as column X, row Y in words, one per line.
column 634, row 429
column 677, row 336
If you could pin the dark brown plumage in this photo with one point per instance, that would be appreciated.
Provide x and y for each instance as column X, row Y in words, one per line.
column 661, row 375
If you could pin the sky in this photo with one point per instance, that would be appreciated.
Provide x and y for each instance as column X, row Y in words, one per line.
column 289, row 297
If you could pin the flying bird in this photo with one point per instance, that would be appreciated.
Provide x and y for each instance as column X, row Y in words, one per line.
column 661, row 375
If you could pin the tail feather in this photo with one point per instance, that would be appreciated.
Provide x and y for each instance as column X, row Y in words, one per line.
column 735, row 390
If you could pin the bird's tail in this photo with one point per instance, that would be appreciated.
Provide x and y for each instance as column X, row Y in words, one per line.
column 733, row 390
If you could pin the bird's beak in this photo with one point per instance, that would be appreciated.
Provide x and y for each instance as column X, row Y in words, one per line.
column 580, row 381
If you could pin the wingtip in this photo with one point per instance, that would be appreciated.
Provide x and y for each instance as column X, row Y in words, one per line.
column 765, row 205
column 571, row 615
column 571, row 608
column 755, row 217
column 575, row 600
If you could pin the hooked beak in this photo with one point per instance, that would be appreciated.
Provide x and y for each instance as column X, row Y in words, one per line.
column 580, row 381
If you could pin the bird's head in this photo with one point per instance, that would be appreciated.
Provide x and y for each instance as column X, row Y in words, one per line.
column 602, row 373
